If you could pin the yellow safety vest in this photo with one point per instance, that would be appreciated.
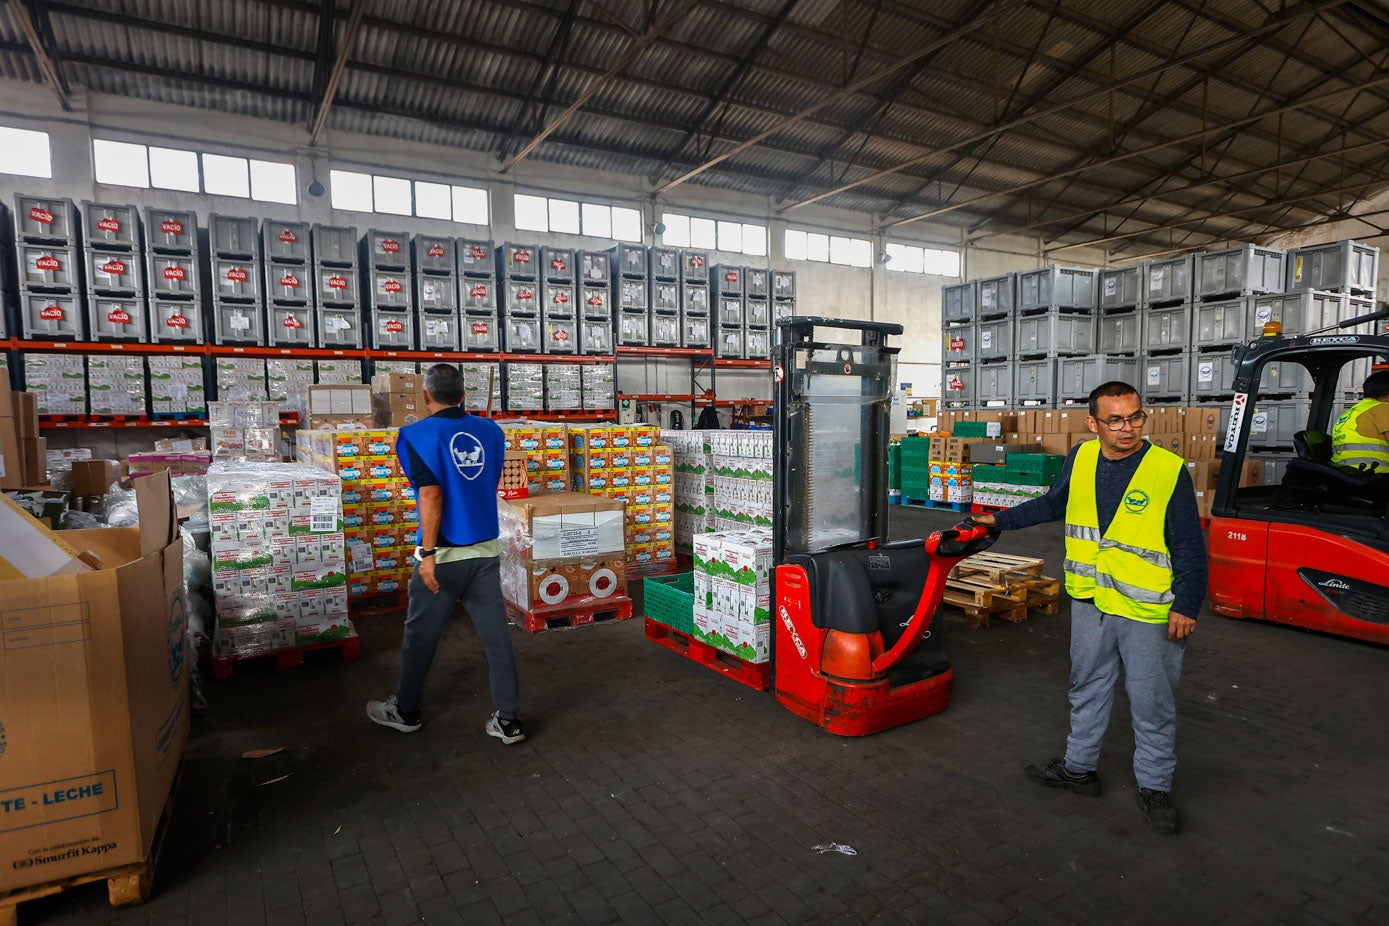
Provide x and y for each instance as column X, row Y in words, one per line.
column 1127, row 570
column 1351, row 448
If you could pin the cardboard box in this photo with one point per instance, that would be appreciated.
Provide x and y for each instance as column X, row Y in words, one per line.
column 397, row 409
column 25, row 408
column 94, row 477
column 11, row 457
column 95, row 700
column 1058, row 442
column 1204, row 500
column 33, row 453
column 1203, row 421
column 397, row 382
column 6, row 401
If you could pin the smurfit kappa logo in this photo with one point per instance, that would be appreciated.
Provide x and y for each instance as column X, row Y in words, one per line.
column 467, row 455
column 1136, row 501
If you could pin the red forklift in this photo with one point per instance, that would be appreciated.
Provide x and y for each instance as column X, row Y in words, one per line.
column 1313, row 550
column 857, row 638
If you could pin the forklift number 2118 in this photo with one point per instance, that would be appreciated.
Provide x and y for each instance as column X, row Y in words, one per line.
column 1236, row 535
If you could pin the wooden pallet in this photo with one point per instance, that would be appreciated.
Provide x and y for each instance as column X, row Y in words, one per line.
column 562, row 617
column 224, row 667
column 755, row 675
column 126, row 885
column 1001, row 585
column 999, row 568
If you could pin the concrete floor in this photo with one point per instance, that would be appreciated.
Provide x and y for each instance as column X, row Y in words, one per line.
column 652, row 790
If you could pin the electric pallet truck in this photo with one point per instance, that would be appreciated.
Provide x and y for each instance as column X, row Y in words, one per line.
column 857, row 627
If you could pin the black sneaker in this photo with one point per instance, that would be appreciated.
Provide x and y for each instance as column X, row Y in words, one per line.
column 1056, row 775
column 508, row 731
column 1158, row 811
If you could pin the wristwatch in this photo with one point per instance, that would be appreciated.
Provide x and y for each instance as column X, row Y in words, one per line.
column 421, row 553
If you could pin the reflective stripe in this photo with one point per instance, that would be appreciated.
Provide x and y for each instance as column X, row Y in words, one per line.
column 1079, row 532
column 1364, row 461
column 1105, row 580
column 1079, row 569
column 1155, row 557
column 1369, row 448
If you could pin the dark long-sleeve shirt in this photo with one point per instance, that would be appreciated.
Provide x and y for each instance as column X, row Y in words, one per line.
column 1182, row 530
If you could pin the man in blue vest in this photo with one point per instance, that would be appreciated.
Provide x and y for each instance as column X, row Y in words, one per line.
column 1136, row 574
column 454, row 461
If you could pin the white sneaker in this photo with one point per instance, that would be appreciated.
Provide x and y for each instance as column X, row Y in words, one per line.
column 388, row 715
column 508, row 732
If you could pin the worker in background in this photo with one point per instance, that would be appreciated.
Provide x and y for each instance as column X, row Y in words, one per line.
column 454, row 461
column 1360, row 437
column 1136, row 573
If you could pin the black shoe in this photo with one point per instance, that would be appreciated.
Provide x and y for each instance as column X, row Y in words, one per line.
column 508, row 731
column 1158, row 811
column 1056, row 775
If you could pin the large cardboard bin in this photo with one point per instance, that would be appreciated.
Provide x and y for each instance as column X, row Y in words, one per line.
column 93, row 699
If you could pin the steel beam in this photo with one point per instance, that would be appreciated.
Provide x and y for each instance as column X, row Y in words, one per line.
column 32, row 19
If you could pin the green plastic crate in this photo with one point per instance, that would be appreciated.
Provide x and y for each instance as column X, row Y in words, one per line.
column 971, row 429
column 894, row 465
column 1036, row 462
column 669, row 600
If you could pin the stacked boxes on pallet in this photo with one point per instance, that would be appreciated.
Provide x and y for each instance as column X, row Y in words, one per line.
column 693, row 461
column 115, row 264
column 244, row 430
column 337, row 286
column 435, row 262
column 240, row 379
column 562, row 550
column 279, row 572
column 519, row 284
column 742, row 479
column 732, row 592
column 477, row 296
column 482, row 385
column 176, row 386
column 58, row 382
column 387, row 289
column 599, row 387
column 290, row 310
column 379, row 513
column 116, row 385
column 174, row 275
column 546, row 451
column 631, row 298
column 525, row 386
column 49, row 266
column 285, row 380
column 627, row 462
column 238, row 292
column 1022, row 477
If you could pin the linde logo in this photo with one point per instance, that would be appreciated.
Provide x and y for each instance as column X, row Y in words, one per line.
column 392, row 286
column 108, row 225
column 171, row 227
column 1337, row 339
column 791, row 629
column 237, row 274
column 288, row 236
column 51, row 312
column 118, row 317
column 42, row 216
column 390, row 246
column 114, row 267
column 175, row 272
column 1339, row 585
column 336, row 282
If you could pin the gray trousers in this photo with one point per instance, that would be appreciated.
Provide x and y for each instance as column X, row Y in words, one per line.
column 477, row 583
column 1102, row 644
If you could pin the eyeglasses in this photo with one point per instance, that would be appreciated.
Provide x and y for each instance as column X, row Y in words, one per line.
column 1115, row 423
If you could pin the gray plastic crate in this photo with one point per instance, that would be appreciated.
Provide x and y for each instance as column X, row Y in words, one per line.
column 390, row 289
column 476, row 257
column 783, row 308
column 728, row 343
column 1167, row 328
column 434, row 254
column 958, row 302
column 665, row 331
column 1274, row 465
column 726, row 279
column 233, row 235
column 173, row 275
column 292, row 326
column 730, row 311
column 1217, row 324
column 1352, row 379
column 595, row 337
column 175, row 321
column 109, row 227
column 959, row 344
column 995, row 295
column 337, row 286
column 1169, row 280
column 783, row 284
column 593, row 268
column 173, row 231
column 694, row 300
column 1273, row 423
column 665, row 264
column 117, row 318
column 1053, row 333
column 339, row 326
column 1239, row 271
column 1121, row 287
column 757, row 313
column 1077, row 376
column 1120, row 333
column 1344, row 267
column 236, row 279
column 50, row 317
column 286, row 242
column 633, row 329
column 45, row 218
column 694, row 267
column 437, row 293
column 386, row 249
column 115, row 273
column 1212, row 374
column 392, row 330
column 957, row 388
column 630, row 261
column 238, row 323
column 558, row 300
column 561, row 336
column 288, row 284
column 439, row 332
column 480, row 333
column 595, row 303
column 557, row 264
column 757, row 345
column 1298, row 313
column 694, row 331
column 1164, row 377
column 994, row 339
column 993, row 383
column 1034, row 382
column 47, row 267
column 336, row 245
column 1057, row 287
column 632, row 295
column 665, row 296
column 479, row 295
column 756, row 283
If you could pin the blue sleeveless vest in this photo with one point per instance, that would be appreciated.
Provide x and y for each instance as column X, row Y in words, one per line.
column 465, row 454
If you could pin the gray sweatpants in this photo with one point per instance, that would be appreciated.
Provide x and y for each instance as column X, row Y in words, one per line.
column 1101, row 644
column 477, row 583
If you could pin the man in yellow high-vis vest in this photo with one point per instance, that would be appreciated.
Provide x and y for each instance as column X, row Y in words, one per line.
column 1136, row 574
column 1360, row 437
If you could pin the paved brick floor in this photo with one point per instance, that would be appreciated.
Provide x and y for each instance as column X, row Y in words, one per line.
column 654, row 791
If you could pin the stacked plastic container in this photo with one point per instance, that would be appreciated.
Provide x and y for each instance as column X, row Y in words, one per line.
column 477, row 296
column 594, row 298
column 559, row 310
column 114, row 257
column 49, row 268
column 757, row 313
column 1055, row 319
column 174, row 276
column 238, row 293
column 628, row 266
column 726, row 292
column 337, row 287
column 289, row 284
column 959, row 328
column 783, row 294
column 435, row 262
column 387, row 289
column 518, row 280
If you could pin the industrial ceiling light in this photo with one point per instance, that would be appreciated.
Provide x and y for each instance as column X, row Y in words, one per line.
column 660, row 228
